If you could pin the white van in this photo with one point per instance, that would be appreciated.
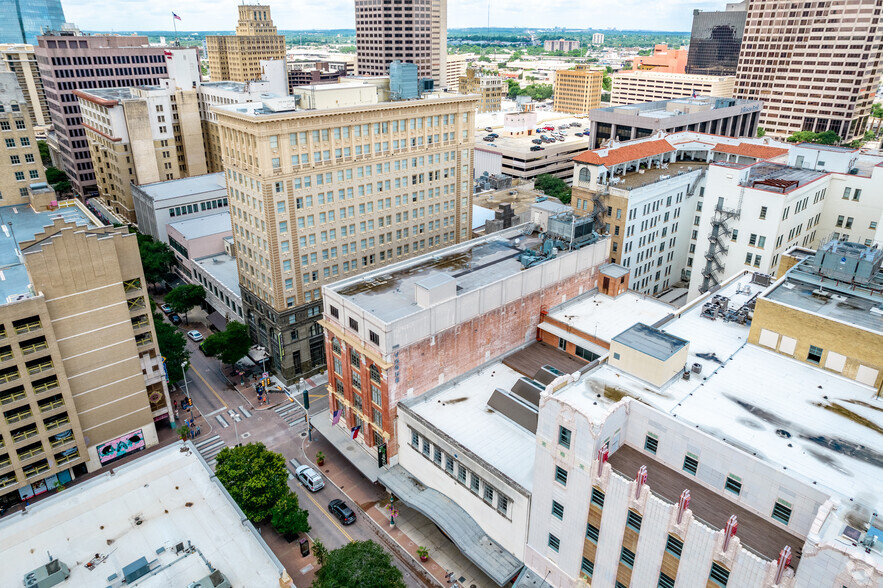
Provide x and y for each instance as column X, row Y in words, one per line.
column 310, row 478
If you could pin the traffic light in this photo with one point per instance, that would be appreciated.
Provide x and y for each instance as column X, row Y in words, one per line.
column 381, row 455
column 306, row 400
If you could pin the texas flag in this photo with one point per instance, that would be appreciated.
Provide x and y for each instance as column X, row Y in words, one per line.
column 335, row 417
column 355, row 431
column 175, row 16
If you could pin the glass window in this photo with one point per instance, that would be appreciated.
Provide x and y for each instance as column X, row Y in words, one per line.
column 633, row 521
column 691, row 463
column 561, row 475
column 782, row 511
column 627, row 557
column 733, row 484
column 564, row 437
column 815, row 354
column 587, row 568
column 598, row 497
column 674, row 546
column 651, row 443
column 719, row 575
column 557, row 510
column 554, row 542
column 592, row 532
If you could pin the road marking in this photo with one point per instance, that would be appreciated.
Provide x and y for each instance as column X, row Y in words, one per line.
column 195, row 371
column 328, row 514
column 211, row 414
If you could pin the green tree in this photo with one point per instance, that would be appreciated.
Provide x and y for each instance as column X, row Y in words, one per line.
column 761, row 131
column 606, row 82
column 172, row 346
column 347, row 49
column 824, row 138
column 184, row 297
column 877, row 110
column 359, row 564
column 287, row 517
column 43, row 147
column 516, row 56
column 255, row 477
column 62, row 187
column 320, row 551
column 553, row 187
column 485, row 58
column 55, row 175
column 230, row 345
column 156, row 258
column 514, row 88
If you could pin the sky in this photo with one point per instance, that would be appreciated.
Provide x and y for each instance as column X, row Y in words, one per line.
column 203, row 15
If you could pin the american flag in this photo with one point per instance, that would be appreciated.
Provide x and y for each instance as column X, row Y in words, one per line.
column 175, row 16
column 335, row 417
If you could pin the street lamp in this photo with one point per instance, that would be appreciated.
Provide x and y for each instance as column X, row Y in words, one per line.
column 187, row 390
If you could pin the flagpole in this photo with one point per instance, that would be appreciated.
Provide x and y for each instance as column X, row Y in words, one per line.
column 175, row 24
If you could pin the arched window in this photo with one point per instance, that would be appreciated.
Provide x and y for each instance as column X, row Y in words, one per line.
column 375, row 374
column 585, row 175
column 335, row 345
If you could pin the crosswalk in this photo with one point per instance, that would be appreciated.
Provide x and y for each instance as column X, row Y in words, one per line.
column 210, row 448
column 291, row 413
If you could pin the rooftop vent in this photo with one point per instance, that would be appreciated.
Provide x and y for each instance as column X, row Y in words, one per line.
column 53, row 573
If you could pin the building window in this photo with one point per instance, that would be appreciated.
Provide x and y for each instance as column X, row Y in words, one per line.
column 587, row 568
column 665, row 581
column 426, row 447
column 627, row 557
column 376, row 396
column 334, row 312
column 502, row 504
column 562, row 343
column 473, row 483
column 437, row 455
column 554, row 542
column 415, row 439
column 449, row 464
column 354, row 325
column 733, row 484
column 814, row 355
column 488, row 493
column 357, row 383
column 592, row 532
column 461, row 474
column 598, row 497
column 691, row 463
column 782, row 511
column 564, row 437
column 651, row 443
column 377, row 417
column 633, row 520
column 763, row 212
column 335, row 345
column 561, row 475
column 719, row 575
column 557, row 510
column 374, row 337
column 674, row 546
column 355, row 358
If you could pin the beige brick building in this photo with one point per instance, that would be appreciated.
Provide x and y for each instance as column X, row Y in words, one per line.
column 490, row 88
column 238, row 57
column 578, row 90
column 22, row 61
column 354, row 182
column 81, row 378
column 21, row 165
column 641, row 85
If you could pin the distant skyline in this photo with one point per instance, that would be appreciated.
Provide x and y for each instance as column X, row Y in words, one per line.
column 209, row 15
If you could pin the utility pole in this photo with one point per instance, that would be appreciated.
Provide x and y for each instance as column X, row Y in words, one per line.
column 187, row 390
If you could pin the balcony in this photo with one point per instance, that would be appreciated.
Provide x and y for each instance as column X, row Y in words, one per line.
column 52, row 403
column 5, row 462
column 56, row 422
column 140, row 322
column 9, row 375
column 132, row 285
column 22, row 434
column 2, row 332
column 44, row 385
column 30, row 452
column 60, row 439
column 36, row 469
column 143, row 339
column 7, row 480
column 39, row 366
column 6, row 353
column 136, row 304
column 11, row 396
column 18, row 415
column 34, row 346
column 27, row 325
column 67, row 456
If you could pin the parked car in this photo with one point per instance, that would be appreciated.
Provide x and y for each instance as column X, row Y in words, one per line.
column 195, row 335
column 488, row 139
column 578, row 135
column 489, row 129
column 176, row 320
column 537, row 141
column 537, row 148
column 575, row 124
column 310, row 478
column 166, row 309
column 344, row 513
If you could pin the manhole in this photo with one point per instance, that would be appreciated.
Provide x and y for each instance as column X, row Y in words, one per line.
column 245, row 435
column 783, row 433
column 303, row 434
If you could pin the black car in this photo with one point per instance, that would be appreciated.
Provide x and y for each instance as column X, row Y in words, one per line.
column 339, row 509
column 176, row 320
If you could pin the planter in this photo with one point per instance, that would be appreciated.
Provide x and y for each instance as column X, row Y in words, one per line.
column 424, row 558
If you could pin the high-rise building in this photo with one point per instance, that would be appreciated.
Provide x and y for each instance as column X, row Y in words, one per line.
column 238, row 57
column 490, row 88
column 663, row 59
column 560, row 45
column 22, row 60
column 598, row 39
column 578, row 90
column 316, row 196
column 421, row 37
column 22, row 166
column 71, row 61
column 716, row 39
column 456, row 66
column 815, row 67
column 22, row 22
column 633, row 87
column 144, row 134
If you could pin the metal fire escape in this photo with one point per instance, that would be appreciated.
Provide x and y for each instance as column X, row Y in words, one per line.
column 600, row 207
column 718, row 247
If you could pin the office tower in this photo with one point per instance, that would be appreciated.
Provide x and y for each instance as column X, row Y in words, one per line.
column 598, row 39
column 578, row 90
column 238, row 57
column 490, row 88
column 144, row 134
column 416, row 32
column 456, row 66
column 316, row 197
column 22, row 166
column 663, row 59
column 814, row 66
column 560, row 45
column 22, row 60
column 716, row 39
column 22, row 21
column 633, row 87
column 70, row 60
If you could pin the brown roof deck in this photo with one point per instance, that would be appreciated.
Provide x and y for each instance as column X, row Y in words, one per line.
column 536, row 355
column 756, row 533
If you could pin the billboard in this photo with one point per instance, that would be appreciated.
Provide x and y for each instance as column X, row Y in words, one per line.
column 120, row 446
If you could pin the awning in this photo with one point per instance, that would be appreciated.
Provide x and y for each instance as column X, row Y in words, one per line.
column 574, row 338
column 217, row 321
column 499, row 565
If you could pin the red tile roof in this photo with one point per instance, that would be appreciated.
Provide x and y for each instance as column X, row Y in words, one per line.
column 750, row 150
column 628, row 152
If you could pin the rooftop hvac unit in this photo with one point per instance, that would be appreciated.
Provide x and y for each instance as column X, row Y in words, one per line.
column 53, row 573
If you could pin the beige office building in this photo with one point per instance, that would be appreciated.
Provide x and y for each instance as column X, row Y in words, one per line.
column 415, row 32
column 577, row 91
column 815, row 65
column 21, row 167
column 329, row 183
column 81, row 378
column 490, row 88
column 22, row 61
column 238, row 57
column 637, row 86
column 455, row 67
column 142, row 135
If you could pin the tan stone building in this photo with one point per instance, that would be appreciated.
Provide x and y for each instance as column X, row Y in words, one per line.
column 578, row 90
column 81, row 378
column 351, row 183
column 490, row 88
column 22, row 61
column 142, row 135
column 238, row 57
column 21, row 166
column 641, row 85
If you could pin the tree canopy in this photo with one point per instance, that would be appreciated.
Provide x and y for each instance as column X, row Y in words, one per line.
column 172, row 346
column 230, row 345
column 55, row 175
column 359, row 564
column 554, row 187
column 184, row 297
column 535, row 91
column 156, row 258
column 877, row 110
column 824, row 138
column 287, row 517
column 43, row 147
column 254, row 476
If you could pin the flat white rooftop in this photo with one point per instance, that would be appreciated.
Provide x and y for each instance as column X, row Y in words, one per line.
column 604, row 317
column 177, row 501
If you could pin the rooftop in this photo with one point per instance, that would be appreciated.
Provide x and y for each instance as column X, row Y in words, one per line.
column 20, row 223
column 185, row 186
column 112, row 93
column 776, row 177
column 523, row 142
column 820, row 147
column 203, row 226
column 674, row 107
column 222, row 267
column 650, row 341
column 139, row 512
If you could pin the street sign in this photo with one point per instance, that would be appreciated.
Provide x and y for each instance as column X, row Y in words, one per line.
column 265, row 375
column 381, row 455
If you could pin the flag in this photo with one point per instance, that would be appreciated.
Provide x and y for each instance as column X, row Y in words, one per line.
column 335, row 417
column 175, row 16
column 694, row 91
column 355, row 431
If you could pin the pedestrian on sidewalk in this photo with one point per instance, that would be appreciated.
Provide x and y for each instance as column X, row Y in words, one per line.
column 176, row 414
column 198, row 430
